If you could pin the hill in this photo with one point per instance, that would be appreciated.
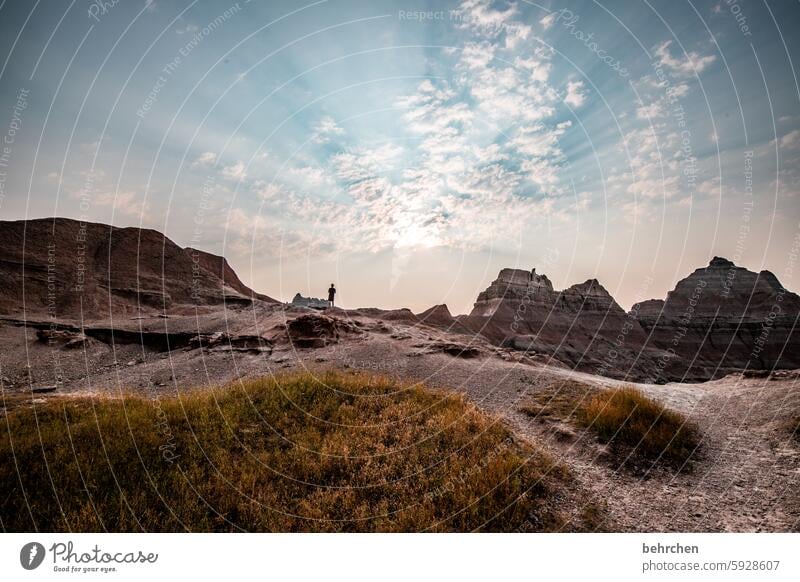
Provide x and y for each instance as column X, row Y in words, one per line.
column 70, row 269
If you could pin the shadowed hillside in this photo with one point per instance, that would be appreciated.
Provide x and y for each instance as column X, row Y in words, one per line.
column 70, row 269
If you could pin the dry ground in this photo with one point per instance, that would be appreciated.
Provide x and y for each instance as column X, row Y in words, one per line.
column 745, row 477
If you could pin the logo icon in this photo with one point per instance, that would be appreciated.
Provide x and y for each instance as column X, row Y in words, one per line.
column 31, row 555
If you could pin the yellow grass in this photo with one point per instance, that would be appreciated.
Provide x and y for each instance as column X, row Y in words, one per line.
column 625, row 416
column 337, row 453
column 636, row 426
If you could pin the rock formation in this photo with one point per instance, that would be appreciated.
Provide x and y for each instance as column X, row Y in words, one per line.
column 582, row 325
column 81, row 270
column 438, row 315
column 721, row 319
column 310, row 302
column 219, row 267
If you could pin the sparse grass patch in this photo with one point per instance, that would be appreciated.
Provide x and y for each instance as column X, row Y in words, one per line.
column 300, row 453
column 557, row 401
column 623, row 417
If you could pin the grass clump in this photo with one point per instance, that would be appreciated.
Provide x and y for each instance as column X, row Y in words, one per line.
column 625, row 416
column 300, row 453
column 636, row 427
column 559, row 401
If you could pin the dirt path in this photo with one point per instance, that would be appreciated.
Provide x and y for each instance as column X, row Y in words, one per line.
column 746, row 476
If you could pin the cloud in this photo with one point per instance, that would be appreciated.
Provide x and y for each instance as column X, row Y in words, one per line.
column 478, row 159
column 790, row 140
column 126, row 203
column 710, row 187
column 539, row 70
column 235, row 172
column 548, row 20
column 309, row 176
column 693, row 63
column 325, row 129
column 575, row 97
column 649, row 111
column 477, row 55
column 188, row 29
column 480, row 17
column 205, row 159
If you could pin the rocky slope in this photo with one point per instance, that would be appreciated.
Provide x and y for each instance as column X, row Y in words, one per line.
column 64, row 268
column 582, row 326
column 219, row 267
column 744, row 479
column 722, row 318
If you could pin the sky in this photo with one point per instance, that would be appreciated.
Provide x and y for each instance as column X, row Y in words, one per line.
column 407, row 151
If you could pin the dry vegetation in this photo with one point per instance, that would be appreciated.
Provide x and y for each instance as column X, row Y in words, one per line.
column 559, row 401
column 338, row 453
column 636, row 426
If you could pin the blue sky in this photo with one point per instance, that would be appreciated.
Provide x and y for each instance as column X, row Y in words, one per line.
column 409, row 150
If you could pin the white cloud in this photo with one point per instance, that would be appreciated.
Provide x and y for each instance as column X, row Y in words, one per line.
column 710, row 187
column 188, row 29
column 477, row 55
column 235, row 172
column 791, row 139
column 649, row 111
column 205, row 159
column 326, row 129
column 575, row 97
column 693, row 63
column 548, row 20
column 125, row 203
column 480, row 17
column 539, row 70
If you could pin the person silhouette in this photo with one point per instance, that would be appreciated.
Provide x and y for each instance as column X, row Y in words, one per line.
column 331, row 294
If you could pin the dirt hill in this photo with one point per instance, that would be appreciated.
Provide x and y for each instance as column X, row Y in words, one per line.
column 70, row 269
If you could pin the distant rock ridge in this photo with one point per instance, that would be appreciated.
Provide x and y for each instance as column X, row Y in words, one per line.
column 724, row 288
column 721, row 318
column 581, row 326
column 310, row 302
column 437, row 315
column 71, row 269
column 517, row 285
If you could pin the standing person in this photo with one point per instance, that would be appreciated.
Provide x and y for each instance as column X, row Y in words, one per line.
column 331, row 294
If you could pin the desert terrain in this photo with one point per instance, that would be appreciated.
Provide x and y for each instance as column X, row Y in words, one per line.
column 106, row 342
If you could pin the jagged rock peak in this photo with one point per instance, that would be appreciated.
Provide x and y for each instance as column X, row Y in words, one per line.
column 523, row 278
column 436, row 315
column 721, row 262
column 589, row 288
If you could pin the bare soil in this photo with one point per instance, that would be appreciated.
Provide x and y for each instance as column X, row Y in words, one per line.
column 744, row 477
